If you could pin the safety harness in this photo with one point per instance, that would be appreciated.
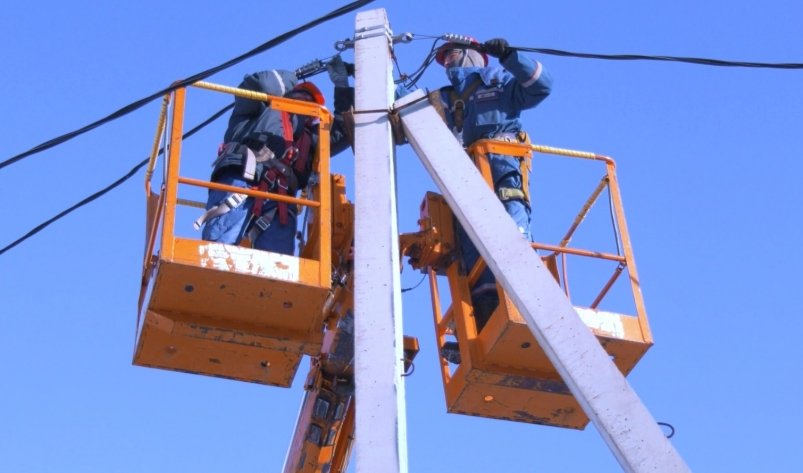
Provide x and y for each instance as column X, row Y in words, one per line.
column 279, row 176
column 458, row 103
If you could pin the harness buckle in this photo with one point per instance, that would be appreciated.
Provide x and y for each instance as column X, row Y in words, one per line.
column 270, row 179
column 290, row 155
column 262, row 223
column 507, row 137
column 235, row 200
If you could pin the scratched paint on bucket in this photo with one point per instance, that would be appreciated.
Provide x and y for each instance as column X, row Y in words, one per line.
column 603, row 321
column 248, row 261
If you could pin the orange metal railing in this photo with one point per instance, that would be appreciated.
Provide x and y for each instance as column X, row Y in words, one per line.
column 162, row 205
column 609, row 181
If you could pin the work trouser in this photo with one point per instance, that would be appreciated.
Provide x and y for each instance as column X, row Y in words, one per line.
column 484, row 295
column 232, row 226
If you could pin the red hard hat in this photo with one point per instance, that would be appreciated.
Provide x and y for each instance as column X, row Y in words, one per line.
column 312, row 90
column 474, row 44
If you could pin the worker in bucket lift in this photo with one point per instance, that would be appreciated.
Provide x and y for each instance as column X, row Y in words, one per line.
column 485, row 102
column 272, row 151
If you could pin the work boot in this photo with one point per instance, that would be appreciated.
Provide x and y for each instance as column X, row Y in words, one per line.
column 451, row 352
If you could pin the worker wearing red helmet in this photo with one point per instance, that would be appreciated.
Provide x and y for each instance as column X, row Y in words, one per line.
column 464, row 54
column 272, row 151
column 307, row 91
column 485, row 101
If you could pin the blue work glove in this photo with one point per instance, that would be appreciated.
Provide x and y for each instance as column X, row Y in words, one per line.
column 497, row 47
column 337, row 72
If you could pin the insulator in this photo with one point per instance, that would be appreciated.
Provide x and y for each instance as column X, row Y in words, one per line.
column 459, row 39
column 403, row 38
column 310, row 69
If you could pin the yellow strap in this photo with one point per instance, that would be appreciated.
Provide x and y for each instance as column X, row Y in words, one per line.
column 526, row 166
column 510, row 193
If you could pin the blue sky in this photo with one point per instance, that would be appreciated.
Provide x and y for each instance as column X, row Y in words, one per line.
column 709, row 162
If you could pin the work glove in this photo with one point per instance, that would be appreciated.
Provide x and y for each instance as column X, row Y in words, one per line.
column 497, row 47
column 337, row 72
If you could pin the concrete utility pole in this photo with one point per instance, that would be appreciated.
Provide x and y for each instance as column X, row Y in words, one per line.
column 626, row 425
column 381, row 425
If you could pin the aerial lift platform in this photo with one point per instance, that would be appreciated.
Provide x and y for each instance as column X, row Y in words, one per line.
column 233, row 311
column 503, row 372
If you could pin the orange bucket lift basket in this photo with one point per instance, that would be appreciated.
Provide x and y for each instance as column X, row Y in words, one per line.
column 233, row 311
column 503, row 373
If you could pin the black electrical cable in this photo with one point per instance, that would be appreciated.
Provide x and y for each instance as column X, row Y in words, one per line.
column 416, row 285
column 116, row 183
column 188, row 81
column 410, row 370
column 409, row 80
column 639, row 57
column 412, row 79
column 671, row 429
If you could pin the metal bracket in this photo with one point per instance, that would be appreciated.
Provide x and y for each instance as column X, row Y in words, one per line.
column 349, row 43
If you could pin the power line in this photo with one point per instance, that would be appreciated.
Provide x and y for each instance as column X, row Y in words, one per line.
column 188, row 81
column 284, row 37
column 111, row 186
column 343, row 10
column 411, row 79
column 639, row 57
column 140, row 103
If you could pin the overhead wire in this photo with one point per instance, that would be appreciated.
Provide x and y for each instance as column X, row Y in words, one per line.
column 111, row 186
column 185, row 82
column 411, row 82
column 640, row 57
column 408, row 80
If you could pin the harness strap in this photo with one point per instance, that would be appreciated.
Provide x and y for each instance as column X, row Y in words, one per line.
column 459, row 103
column 229, row 203
column 526, row 165
column 249, row 165
column 511, row 193
column 261, row 224
column 257, row 209
column 303, row 146
column 278, row 176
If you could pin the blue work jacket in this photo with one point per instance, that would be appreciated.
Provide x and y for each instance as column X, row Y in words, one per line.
column 494, row 98
column 495, row 105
